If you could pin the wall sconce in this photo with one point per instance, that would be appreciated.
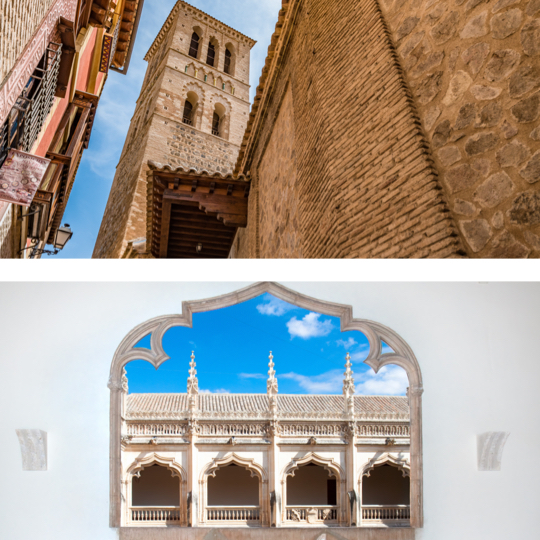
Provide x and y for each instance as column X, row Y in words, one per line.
column 199, row 248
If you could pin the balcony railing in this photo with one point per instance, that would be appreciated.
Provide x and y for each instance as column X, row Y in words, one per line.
column 151, row 514
column 390, row 513
column 312, row 514
column 239, row 514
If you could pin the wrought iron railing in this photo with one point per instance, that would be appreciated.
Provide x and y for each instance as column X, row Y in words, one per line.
column 386, row 512
column 311, row 514
column 26, row 119
column 43, row 99
column 233, row 513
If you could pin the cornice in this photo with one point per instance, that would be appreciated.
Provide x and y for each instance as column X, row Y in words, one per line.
column 170, row 19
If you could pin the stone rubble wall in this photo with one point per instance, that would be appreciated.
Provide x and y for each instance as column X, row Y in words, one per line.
column 19, row 19
column 362, row 173
column 474, row 69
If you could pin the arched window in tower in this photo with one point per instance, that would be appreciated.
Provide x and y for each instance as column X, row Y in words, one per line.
column 211, row 54
column 188, row 113
column 227, row 68
column 194, row 47
column 216, row 120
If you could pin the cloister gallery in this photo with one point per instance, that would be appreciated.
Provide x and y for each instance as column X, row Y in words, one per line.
column 264, row 460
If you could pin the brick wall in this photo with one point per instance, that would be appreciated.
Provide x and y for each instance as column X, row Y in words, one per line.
column 473, row 67
column 365, row 183
column 157, row 132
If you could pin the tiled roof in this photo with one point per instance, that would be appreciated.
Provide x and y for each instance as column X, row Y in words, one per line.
column 157, row 167
column 288, row 404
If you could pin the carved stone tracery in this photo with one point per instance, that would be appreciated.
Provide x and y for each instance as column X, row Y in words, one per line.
column 375, row 334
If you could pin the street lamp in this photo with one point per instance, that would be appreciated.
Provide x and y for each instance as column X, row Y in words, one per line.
column 63, row 235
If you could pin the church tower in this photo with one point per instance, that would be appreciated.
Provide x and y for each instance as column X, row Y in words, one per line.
column 192, row 113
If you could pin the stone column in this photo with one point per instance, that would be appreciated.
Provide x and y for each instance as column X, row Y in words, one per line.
column 415, row 410
column 193, row 427
column 274, row 491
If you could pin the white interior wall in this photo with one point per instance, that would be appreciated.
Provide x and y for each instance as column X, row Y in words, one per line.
column 477, row 344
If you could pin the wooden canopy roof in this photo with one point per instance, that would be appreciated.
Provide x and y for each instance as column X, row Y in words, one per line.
column 194, row 214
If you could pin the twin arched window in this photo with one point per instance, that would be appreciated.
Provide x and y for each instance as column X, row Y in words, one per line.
column 215, row 124
column 210, row 58
column 194, row 46
column 227, row 67
column 211, row 55
column 188, row 113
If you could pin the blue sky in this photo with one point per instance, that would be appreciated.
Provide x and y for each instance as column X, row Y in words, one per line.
column 254, row 18
column 232, row 346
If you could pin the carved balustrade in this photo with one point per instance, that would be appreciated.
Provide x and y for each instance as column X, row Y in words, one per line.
column 154, row 515
column 312, row 515
column 378, row 513
column 237, row 514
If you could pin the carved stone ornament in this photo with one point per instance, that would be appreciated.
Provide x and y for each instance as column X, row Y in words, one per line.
column 152, row 458
column 250, row 464
column 490, row 450
column 312, row 441
column 329, row 464
column 33, row 443
column 387, row 459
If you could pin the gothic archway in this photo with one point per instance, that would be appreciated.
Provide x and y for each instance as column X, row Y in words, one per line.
column 144, row 462
column 247, row 463
column 334, row 470
column 375, row 333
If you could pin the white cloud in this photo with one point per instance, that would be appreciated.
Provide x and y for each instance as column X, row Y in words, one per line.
column 346, row 344
column 310, row 326
column 252, row 376
column 391, row 380
column 361, row 353
column 327, row 383
column 274, row 306
column 217, row 391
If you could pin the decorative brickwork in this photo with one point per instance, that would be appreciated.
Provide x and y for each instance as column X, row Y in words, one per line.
column 364, row 179
column 474, row 71
column 158, row 128
column 17, row 53
column 18, row 22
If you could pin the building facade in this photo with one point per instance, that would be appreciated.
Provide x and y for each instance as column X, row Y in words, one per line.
column 191, row 114
column 396, row 129
column 255, row 460
column 55, row 60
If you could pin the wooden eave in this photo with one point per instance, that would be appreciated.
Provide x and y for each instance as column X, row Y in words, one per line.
column 129, row 22
column 188, row 208
column 71, row 160
column 67, row 34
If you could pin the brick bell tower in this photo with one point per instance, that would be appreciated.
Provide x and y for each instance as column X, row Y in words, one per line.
column 192, row 112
